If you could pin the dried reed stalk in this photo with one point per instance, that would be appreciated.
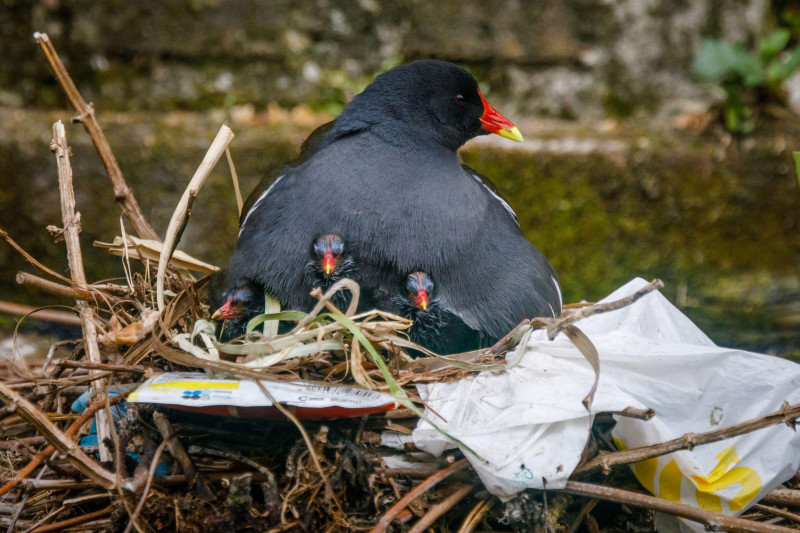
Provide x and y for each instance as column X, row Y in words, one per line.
column 71, row 221
column 39, row 313
column 184, row 208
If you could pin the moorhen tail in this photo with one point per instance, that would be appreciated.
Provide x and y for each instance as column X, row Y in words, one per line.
column 386, row 178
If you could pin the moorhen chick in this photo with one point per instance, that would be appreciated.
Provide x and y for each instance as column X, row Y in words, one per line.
column 434, row 328
column 330, row 264
column 243, row 302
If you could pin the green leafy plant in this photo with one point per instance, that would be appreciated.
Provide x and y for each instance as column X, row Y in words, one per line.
column 750, row 78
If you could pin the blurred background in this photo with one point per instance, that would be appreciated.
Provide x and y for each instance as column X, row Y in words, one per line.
column 658, row 135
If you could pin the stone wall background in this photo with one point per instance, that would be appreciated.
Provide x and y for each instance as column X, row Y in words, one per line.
column 573, row 59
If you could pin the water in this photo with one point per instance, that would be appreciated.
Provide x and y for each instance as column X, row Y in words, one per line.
column 716, row 220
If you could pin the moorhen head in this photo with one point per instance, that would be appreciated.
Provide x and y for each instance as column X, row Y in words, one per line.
column 385, row 176
column 328, row 265
column 242, row 303
column 431, row 100
column 434, row 327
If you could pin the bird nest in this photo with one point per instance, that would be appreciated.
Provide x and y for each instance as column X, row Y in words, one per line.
column 149, row 468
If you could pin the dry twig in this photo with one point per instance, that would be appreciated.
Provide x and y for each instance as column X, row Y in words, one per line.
column 788, row 414
column 432, row 481
column 440, row 508
column 70, row 219
column 87, row 293
column 712, row 521
column 122, row 193
column 4, row 234
column 179, row 454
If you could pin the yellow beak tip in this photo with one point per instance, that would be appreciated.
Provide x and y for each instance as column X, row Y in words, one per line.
column 215, row 316
column 512, row 134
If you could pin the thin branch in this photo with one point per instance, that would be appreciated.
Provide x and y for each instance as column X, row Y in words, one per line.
column 70, row 220
column 122, row 194
column 108, row 367
column 784, row 497
column 712, row 521
column 184, row 208
column 557, row 325
column 440, row 508
column 179, row 454
column 413, row 494
column 786, row 415
column 74, row 521
column 86, row 293
column 44, row 314
column 164, row 481
column 4, row 234
column 777, row 512
column 150, row 474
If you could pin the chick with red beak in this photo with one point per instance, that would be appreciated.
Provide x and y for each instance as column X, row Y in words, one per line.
column 328, row 249
column 242, row 303
column 329, row 264
column 419, row 286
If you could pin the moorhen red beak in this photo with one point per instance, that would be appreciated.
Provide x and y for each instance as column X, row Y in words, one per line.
column 494, row 122
column 385, row 175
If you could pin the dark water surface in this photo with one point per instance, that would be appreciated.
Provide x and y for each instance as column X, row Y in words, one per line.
column 715, row 218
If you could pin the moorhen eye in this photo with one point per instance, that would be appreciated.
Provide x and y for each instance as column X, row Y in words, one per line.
column 460, row 99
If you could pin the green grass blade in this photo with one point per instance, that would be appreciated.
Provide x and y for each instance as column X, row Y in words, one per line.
column 283, row 315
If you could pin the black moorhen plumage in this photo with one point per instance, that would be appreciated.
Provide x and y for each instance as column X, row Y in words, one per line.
column 434, row 328
column 385, row 176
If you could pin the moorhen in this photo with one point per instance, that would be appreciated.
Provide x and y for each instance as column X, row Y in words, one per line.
column 385, row 177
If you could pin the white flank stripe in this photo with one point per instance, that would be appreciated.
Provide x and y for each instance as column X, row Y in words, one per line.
column 497, row 197
column 558, row 290
column 264, row 195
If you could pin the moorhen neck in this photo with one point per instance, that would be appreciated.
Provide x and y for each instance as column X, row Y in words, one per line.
column 385, row 176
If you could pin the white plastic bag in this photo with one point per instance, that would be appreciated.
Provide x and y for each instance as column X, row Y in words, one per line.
column 529, row 428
